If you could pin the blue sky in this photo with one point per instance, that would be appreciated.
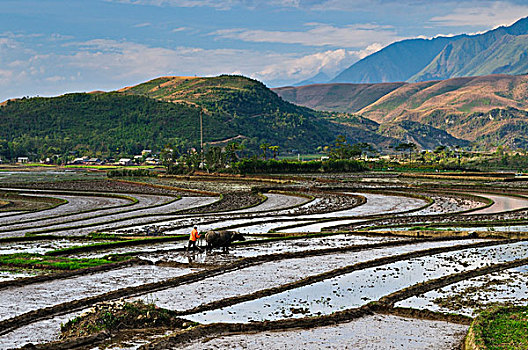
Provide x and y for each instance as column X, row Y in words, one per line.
column 49, row 47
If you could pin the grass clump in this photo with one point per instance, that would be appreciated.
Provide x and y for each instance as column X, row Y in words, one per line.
column 38, row 261
column 501, row 328
column 119, row 315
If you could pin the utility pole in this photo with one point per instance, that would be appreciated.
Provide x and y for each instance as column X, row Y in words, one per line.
column 201, row 140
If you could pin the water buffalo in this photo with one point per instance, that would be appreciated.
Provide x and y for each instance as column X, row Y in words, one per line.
column 222, row 239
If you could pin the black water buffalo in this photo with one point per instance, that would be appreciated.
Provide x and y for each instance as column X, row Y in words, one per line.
column 222, row 239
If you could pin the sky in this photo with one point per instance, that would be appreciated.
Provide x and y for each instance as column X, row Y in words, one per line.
column 50, row 47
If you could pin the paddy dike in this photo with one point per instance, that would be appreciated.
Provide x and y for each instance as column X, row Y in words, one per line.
column 360, row 287
column 339, row 287
column 508, row 287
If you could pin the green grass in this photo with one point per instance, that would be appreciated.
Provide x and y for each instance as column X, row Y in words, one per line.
column 39, row 261
column 115, row 244
column 503, row 328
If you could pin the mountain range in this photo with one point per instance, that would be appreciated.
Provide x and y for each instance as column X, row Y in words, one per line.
column 488, row 110
column 411, row 91
column 503, row 50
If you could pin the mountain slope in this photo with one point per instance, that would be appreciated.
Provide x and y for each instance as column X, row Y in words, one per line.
column 502, row 50
column 396, row 62
column 336, row 97
column 488, row 109
column 167, row 111
column 279, row 121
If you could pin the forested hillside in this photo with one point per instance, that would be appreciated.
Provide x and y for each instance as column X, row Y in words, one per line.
column 166, row 112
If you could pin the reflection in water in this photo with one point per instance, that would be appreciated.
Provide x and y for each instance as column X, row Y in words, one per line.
column 360, row 287
column 501, row 203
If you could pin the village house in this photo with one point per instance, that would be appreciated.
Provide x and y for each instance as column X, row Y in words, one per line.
column 93, row 161
column 78, row 161
column 125, row 161
column 22, row 160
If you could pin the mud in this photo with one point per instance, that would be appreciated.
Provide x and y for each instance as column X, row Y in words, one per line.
column 448, row 203
column 359, row 287
column 369, row 332
column 469, row 297
column 96, row 185
column 274, row 274
column 16, row 301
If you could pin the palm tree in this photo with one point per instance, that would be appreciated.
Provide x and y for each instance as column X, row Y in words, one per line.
column 264, row 147
column 232, row 149
column 275, row 150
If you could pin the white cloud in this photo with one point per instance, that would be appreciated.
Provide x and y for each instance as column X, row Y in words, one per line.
column 357, row 35
column 179, row 29
column 294, row 68
column 486, row 14
column 102, row 64
column 141, row 25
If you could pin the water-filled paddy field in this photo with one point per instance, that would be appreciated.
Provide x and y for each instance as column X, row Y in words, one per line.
column 286, row 285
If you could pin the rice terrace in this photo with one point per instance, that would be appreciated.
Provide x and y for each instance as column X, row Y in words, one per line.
column 88, row 261
column 255, row 174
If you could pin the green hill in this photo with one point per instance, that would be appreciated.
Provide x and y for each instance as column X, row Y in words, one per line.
column 251, row 100
column 166, row 111
column 100, row 124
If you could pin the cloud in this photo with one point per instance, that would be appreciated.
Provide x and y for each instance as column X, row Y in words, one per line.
column 103, row 64
column 487, row 14
column 179, row 29
column 298, row 68
column 357, row 35
column 141, row 25
column 295, row 68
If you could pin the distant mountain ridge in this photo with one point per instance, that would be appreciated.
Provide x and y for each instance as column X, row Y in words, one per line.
column 489, row 110
column 500, row 51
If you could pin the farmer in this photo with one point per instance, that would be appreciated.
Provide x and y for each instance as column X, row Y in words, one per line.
column 193, row 238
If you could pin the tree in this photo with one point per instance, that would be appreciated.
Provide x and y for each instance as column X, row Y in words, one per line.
column 341, row 149
column 275, row 150
column 363, row 148
column 231, row 151
column 264, row 147
column 411, row 146
column 214, row 158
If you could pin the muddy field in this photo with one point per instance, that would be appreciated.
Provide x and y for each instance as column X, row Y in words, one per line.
column 305, row 277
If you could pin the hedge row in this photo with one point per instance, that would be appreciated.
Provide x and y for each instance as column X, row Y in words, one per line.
column 252, row 166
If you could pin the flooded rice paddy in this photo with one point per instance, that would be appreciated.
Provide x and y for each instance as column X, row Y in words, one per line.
column 42, row 246
column 360, row 287
column 468, row 297
column 18, row 300
column 272, row 274
column 377, row 332
column 282, row 278
column 502, row 203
